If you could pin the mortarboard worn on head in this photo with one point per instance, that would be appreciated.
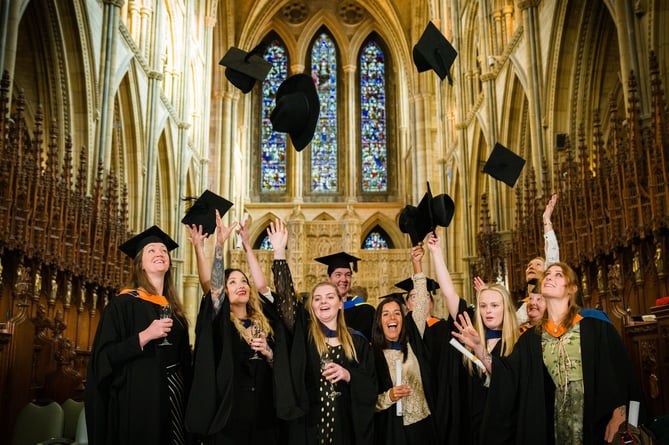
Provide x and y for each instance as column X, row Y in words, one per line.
column 243, row 69
column 339, row 259
column 504, row 165
column 430, row 213
column 203, row 211
column 398, row 296
column 407, row 285
column 151, row 235
column 297, row 109
column 434, row 52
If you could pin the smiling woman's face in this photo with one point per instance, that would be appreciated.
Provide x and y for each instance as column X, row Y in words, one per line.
column 554, row 283
column 326, row 303
column 155, row 258
column 237, row 287
column 391, row 321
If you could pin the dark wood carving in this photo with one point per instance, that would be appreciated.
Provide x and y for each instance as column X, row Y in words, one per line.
column 58, row 260
column 611, row 220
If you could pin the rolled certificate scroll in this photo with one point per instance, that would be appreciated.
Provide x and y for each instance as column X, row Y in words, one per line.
column 398, row 381
column 633, row 416
column 457, row 345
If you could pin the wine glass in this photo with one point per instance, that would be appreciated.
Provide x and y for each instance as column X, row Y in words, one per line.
column 326, row 360
column 165, row 312
column 256, row 330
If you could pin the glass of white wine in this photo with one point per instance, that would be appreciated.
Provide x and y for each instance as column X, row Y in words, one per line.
column 325, row 361
column 165, row 312
column 256, row 330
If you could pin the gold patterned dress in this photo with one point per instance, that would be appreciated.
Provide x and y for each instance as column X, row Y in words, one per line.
column 562, row 358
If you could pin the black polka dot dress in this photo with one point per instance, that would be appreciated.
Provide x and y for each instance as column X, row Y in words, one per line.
column 327, row 423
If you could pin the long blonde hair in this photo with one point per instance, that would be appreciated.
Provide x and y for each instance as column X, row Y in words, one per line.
column 253, row 310
column 510, row 330
column 316, row 333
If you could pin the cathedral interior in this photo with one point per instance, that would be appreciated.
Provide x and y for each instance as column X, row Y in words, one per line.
column 113, row 112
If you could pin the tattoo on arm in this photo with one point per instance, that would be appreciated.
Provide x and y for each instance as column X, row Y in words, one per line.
column 217, row 278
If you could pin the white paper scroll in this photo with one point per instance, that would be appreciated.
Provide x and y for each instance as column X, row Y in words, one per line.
column 398, row 381
column 633, row 416
column 457, row 345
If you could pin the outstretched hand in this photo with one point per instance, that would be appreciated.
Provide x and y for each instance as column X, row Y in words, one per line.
column 478, row 284
column 196, row 236
column 222, row 231
column 548, row 211
column 278, row 237
column 466, row 332
column 417, row 253
column 433, row 242
column 244, row 234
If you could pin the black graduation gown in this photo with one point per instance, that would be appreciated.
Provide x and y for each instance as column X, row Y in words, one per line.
column 360, row 317
column 521, row 396
column 126, row 395
column 388, row 426
column 475, row 395
column 232, row 396
column 355, row 405
column 436, row 338
column 450, row 381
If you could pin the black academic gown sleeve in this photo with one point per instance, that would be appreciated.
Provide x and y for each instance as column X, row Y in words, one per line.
column 361, row 318
column 388, row 426
column 522, row 389
column 284, row 393
column 126, row 398
column 210, row 401
column 450, row 381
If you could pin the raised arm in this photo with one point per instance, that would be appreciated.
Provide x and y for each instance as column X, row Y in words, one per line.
column 218, row 268
column 421, row 302
column 254, row 266
column 286, row 298
column 443, row 276
column 551, row 247
column 196, row 237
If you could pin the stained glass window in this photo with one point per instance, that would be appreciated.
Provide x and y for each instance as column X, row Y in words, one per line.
column 373, row 119
column 324, row 143
column 273, row 162
column 376, row 240
column 265, row 244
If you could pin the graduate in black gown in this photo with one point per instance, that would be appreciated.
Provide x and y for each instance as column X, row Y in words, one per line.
column 241, row 388
column 332, row 365
column 136, row 385
column 405, row 400
column 496, row 327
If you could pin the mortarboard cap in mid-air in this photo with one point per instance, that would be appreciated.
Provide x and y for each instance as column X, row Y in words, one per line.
column 203, row 211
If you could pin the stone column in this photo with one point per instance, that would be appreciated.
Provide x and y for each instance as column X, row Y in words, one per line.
column 110, row 22
column 534, row 67
column 155, row 76
column 351, row 133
